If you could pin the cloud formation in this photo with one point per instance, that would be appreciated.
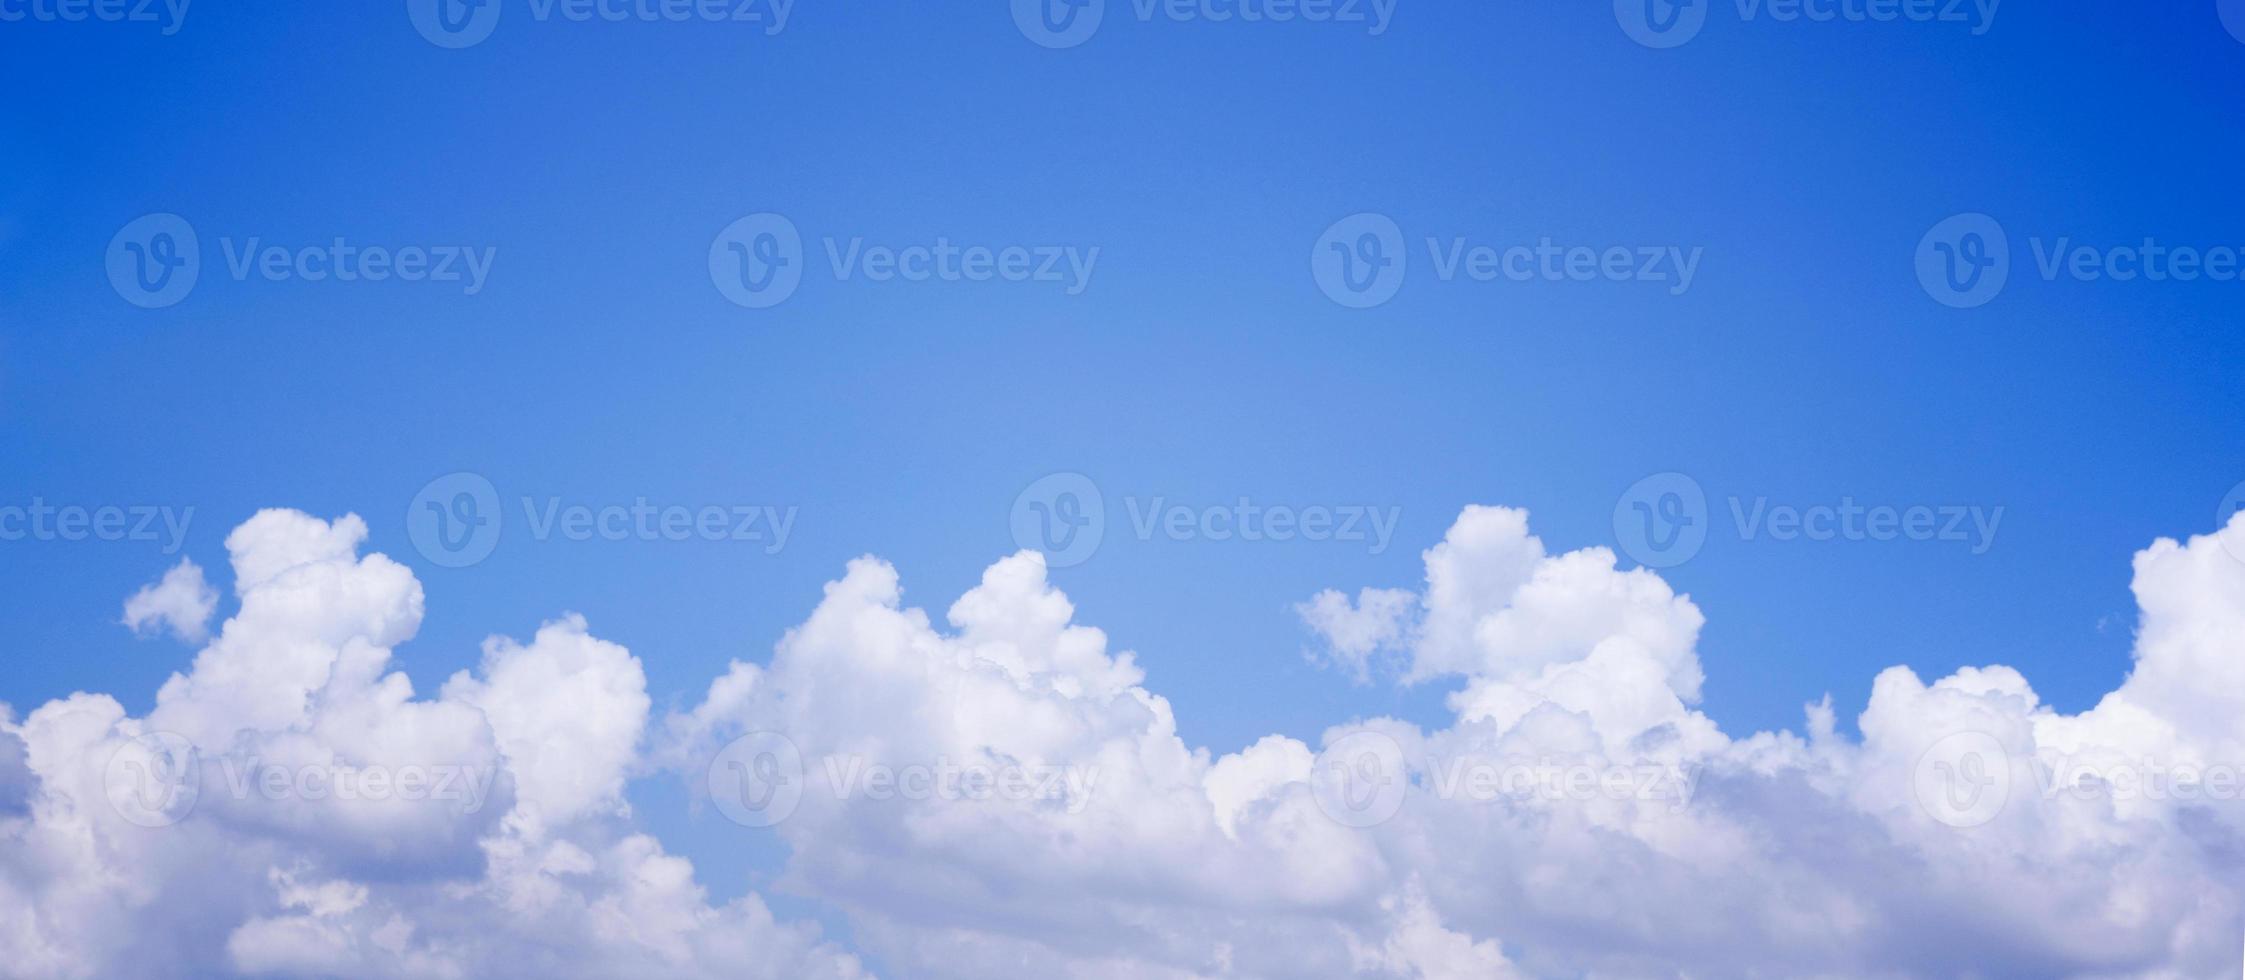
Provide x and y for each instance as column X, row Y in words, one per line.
column 289, row 807
column 1003, row 794
column 181, row 603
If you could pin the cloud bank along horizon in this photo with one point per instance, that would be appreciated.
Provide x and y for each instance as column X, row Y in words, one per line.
column 1002, row 794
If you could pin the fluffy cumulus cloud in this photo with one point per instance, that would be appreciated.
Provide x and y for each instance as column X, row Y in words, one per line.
column 1002, row 794
column 180, row 602
column 290, row 806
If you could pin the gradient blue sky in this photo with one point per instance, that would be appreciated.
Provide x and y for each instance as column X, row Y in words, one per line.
column 1202, row 365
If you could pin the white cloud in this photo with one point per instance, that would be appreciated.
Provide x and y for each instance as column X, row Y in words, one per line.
column 1419, row 946
column 567, row 711
column 1355, row 632
column 180, row 602
column 334, row 824
column 1800, row 854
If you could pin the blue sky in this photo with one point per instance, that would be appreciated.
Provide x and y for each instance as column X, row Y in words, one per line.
column 1200, row 364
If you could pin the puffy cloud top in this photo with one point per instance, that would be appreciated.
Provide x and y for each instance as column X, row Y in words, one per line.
column 1004, row 794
